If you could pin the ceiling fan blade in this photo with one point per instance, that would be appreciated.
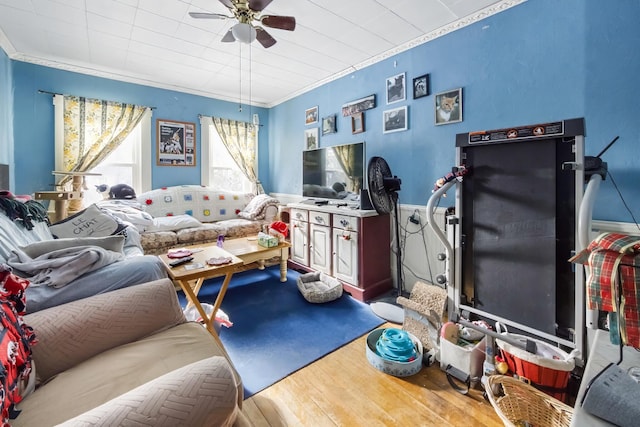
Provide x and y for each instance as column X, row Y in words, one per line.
column 229, row 37
column 227, row 3
column 258, row 5
column 205, row 15
column 264, row 38
column 280, row 22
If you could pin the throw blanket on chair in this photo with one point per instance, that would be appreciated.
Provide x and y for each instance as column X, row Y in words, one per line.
column 607, row 255
column 60, row 267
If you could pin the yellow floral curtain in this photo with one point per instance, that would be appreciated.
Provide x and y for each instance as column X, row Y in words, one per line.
column 240, row 140
column 93, row 128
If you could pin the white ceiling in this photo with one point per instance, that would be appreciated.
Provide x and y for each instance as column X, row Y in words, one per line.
column 157, row 43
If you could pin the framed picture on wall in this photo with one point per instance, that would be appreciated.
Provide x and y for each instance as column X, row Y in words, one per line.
column 311, row 139
column 421, row 86
column 394, row 120
column 396, row 88
column 311, row 115
column 329, row 124
column 176, row 143
column 357, row 123
column 448, row 107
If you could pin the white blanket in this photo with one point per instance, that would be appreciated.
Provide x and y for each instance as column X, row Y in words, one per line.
column 60, row 267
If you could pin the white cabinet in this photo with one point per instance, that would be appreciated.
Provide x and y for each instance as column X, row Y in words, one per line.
column 350, row 245
column 320, row 248
column 299, row 225
column 345, row 248
column 320, row 241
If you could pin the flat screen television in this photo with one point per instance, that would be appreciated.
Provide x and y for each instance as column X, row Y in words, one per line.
column 336, row 172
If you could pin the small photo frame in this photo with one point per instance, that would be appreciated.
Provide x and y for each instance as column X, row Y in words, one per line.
column 394, row 120
column 448, row 107
column 396, row 88
column 421, row 86
column 357, row 123
column 176, row 143
column 329, row 125
column 311, row 115
column 311, row 139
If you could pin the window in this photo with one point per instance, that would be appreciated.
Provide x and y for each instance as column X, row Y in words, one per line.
column 120, row 167
column 129, row 164
column 219, row 170
column 224, row 173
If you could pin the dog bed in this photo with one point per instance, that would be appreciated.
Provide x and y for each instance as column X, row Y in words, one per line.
column 319, row 287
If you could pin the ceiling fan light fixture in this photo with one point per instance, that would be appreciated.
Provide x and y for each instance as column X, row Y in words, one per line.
column 244, row 33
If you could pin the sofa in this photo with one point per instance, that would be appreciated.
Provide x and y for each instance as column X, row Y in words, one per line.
column 127, row 357
column 26, row 237
column 186, row 215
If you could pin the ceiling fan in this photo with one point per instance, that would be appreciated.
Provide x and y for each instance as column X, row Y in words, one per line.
column 247, row 11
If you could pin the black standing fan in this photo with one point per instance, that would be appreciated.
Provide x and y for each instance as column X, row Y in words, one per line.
column 383, row 192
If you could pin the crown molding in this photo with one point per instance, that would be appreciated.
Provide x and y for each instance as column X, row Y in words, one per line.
column 439, row 32
column 116, row 75
column 6, row 45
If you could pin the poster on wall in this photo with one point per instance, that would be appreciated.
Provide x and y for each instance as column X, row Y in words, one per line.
column 176, row 143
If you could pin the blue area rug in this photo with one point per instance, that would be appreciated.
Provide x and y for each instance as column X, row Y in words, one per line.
column 276, row 331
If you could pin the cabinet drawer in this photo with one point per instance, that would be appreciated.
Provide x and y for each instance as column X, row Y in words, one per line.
column 345, row 222
column 320, row 218
column 300, row 215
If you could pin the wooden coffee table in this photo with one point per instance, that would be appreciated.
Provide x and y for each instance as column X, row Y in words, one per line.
column 245, row 254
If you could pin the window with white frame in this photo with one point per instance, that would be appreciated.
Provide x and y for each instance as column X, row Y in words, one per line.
column 219, row 170
column 123, row 166
column 129, row 164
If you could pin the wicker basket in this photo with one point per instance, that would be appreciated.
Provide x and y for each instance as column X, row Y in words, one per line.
column 517, row 403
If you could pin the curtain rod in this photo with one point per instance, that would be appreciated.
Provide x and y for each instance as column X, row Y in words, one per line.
column 207, row 115
column 54, row 94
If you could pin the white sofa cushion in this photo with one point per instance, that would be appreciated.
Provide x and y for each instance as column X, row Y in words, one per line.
column 173, row 223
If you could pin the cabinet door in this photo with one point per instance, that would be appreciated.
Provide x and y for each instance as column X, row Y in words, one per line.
column 345, row 255
column 320, row 248
column 300, row 242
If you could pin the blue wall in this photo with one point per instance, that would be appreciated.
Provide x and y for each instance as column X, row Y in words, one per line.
column 34, row 116
column 6, row 113
column 541, row 61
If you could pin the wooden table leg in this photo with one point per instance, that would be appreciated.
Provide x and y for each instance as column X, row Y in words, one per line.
column 192, row 299
column 283, row 264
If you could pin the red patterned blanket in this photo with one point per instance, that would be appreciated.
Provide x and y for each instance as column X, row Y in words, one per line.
column 607, row 256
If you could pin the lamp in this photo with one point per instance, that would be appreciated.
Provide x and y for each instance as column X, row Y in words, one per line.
column 244, row 33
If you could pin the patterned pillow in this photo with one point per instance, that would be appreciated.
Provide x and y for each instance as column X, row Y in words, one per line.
column 257, row 207
column 90, row 222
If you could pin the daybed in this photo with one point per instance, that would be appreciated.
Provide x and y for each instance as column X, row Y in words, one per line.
column 193, row 214
column 128, row 357
column 24, row 228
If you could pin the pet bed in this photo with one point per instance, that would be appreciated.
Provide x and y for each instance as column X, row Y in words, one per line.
column 319, row 287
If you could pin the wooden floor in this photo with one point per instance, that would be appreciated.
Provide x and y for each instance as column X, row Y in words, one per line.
column 343, row 389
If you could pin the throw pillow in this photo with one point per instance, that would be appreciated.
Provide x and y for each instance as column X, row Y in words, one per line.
column 256, row 208
column 90, row 222
column 15, row 342
column 112, row 243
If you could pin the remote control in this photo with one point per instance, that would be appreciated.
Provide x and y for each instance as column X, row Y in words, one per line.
column 181, row 261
